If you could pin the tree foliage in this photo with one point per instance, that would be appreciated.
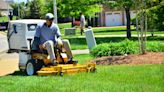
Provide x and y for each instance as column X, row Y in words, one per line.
column 22, row 9
column 154, row 11
column 74, row 7
column 65, row 8
column 155, row 16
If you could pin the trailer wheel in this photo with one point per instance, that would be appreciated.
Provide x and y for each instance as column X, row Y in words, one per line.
column 30, row 67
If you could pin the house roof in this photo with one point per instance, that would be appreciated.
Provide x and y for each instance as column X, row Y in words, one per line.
column 108, row 8
column 28, row 21
column 4, row 5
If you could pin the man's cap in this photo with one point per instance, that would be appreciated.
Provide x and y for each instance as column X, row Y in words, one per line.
column 49, row 16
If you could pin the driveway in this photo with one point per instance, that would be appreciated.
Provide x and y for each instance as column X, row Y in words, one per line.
column 3, row 43
column 8, row 62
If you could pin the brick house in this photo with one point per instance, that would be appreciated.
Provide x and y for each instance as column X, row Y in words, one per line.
column 113, row 17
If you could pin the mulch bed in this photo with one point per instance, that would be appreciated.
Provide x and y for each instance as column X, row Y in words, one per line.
column 148, row 58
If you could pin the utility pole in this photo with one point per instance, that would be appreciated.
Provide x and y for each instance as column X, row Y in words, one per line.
column 55, row 12
column 8, row 10
column 18, row 10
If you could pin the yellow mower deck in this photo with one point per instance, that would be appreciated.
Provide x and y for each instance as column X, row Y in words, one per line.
column 67, row 69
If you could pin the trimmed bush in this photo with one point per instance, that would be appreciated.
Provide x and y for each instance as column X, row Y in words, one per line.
column 124, row 47
column 155, row 47
column 101, row 50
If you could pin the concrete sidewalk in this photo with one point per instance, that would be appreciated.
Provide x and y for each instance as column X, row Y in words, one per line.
column 85, row 51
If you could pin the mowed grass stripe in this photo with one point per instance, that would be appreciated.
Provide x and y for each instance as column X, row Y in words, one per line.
column 126, row 78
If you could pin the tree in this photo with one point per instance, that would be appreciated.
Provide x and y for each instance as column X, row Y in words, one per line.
column 15, row 9
column 65, row 8
column 36, row 8
column 72, row 8
column 155, row 15
column 147, row 19
column 21, row 11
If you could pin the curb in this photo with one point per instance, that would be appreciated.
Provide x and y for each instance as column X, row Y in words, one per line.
column 3, row 33
column 2, row 53
column 76, row 52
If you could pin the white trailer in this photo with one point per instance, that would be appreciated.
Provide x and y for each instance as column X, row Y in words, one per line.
column 18, row 33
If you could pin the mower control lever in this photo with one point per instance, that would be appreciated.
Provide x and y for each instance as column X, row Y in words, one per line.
column 30, row 40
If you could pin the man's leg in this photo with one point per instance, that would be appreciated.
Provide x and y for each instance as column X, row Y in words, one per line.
column 81, row 31
column 49, row 45
column 81, row 28
column 67, row 48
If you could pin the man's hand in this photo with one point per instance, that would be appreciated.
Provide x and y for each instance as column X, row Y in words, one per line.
column 60, row 43
column 41, row 47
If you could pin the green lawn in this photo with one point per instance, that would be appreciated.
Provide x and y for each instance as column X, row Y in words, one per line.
column 83, row 60
column 102, row 35
column 5, row 19
column 80, row 42
column 105, row 30
column 116, row 78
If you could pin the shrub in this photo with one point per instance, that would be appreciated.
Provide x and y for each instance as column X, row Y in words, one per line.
column 124, row 47
column 155, row 47
column 101, row 50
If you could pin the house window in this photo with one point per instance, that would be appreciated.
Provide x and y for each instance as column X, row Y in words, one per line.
column 108, row 13
column 116, row 13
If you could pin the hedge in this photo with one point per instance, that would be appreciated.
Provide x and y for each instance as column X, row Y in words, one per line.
column 124, row 47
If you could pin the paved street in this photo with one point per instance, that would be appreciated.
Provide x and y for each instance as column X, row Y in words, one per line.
column 3, row 43
column 8, row 62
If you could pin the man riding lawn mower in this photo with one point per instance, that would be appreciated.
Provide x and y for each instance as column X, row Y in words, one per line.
column 50, row 55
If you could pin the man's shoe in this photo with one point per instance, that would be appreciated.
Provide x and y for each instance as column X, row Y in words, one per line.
column 54, row 63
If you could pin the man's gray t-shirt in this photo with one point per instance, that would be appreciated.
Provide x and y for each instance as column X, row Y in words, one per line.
column 47, row 33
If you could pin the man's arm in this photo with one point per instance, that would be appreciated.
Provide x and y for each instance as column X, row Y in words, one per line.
column 35, row 44
column 58, row 34
column 38, row 32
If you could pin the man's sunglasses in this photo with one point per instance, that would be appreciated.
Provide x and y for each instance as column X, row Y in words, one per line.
column 50, row 19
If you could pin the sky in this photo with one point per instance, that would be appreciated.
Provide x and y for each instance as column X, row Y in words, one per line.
column 20, row 0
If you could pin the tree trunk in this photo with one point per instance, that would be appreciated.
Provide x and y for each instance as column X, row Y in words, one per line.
column 127, row 10
column 73, row 20
column 143, row 49
column 89, row 21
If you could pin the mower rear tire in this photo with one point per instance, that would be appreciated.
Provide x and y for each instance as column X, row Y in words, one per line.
column 30, row 67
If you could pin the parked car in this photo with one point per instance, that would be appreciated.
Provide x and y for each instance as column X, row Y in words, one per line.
column 76, row 23
column 3, row 26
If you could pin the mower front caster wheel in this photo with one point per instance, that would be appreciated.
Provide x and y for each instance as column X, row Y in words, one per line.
column 61, row 74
